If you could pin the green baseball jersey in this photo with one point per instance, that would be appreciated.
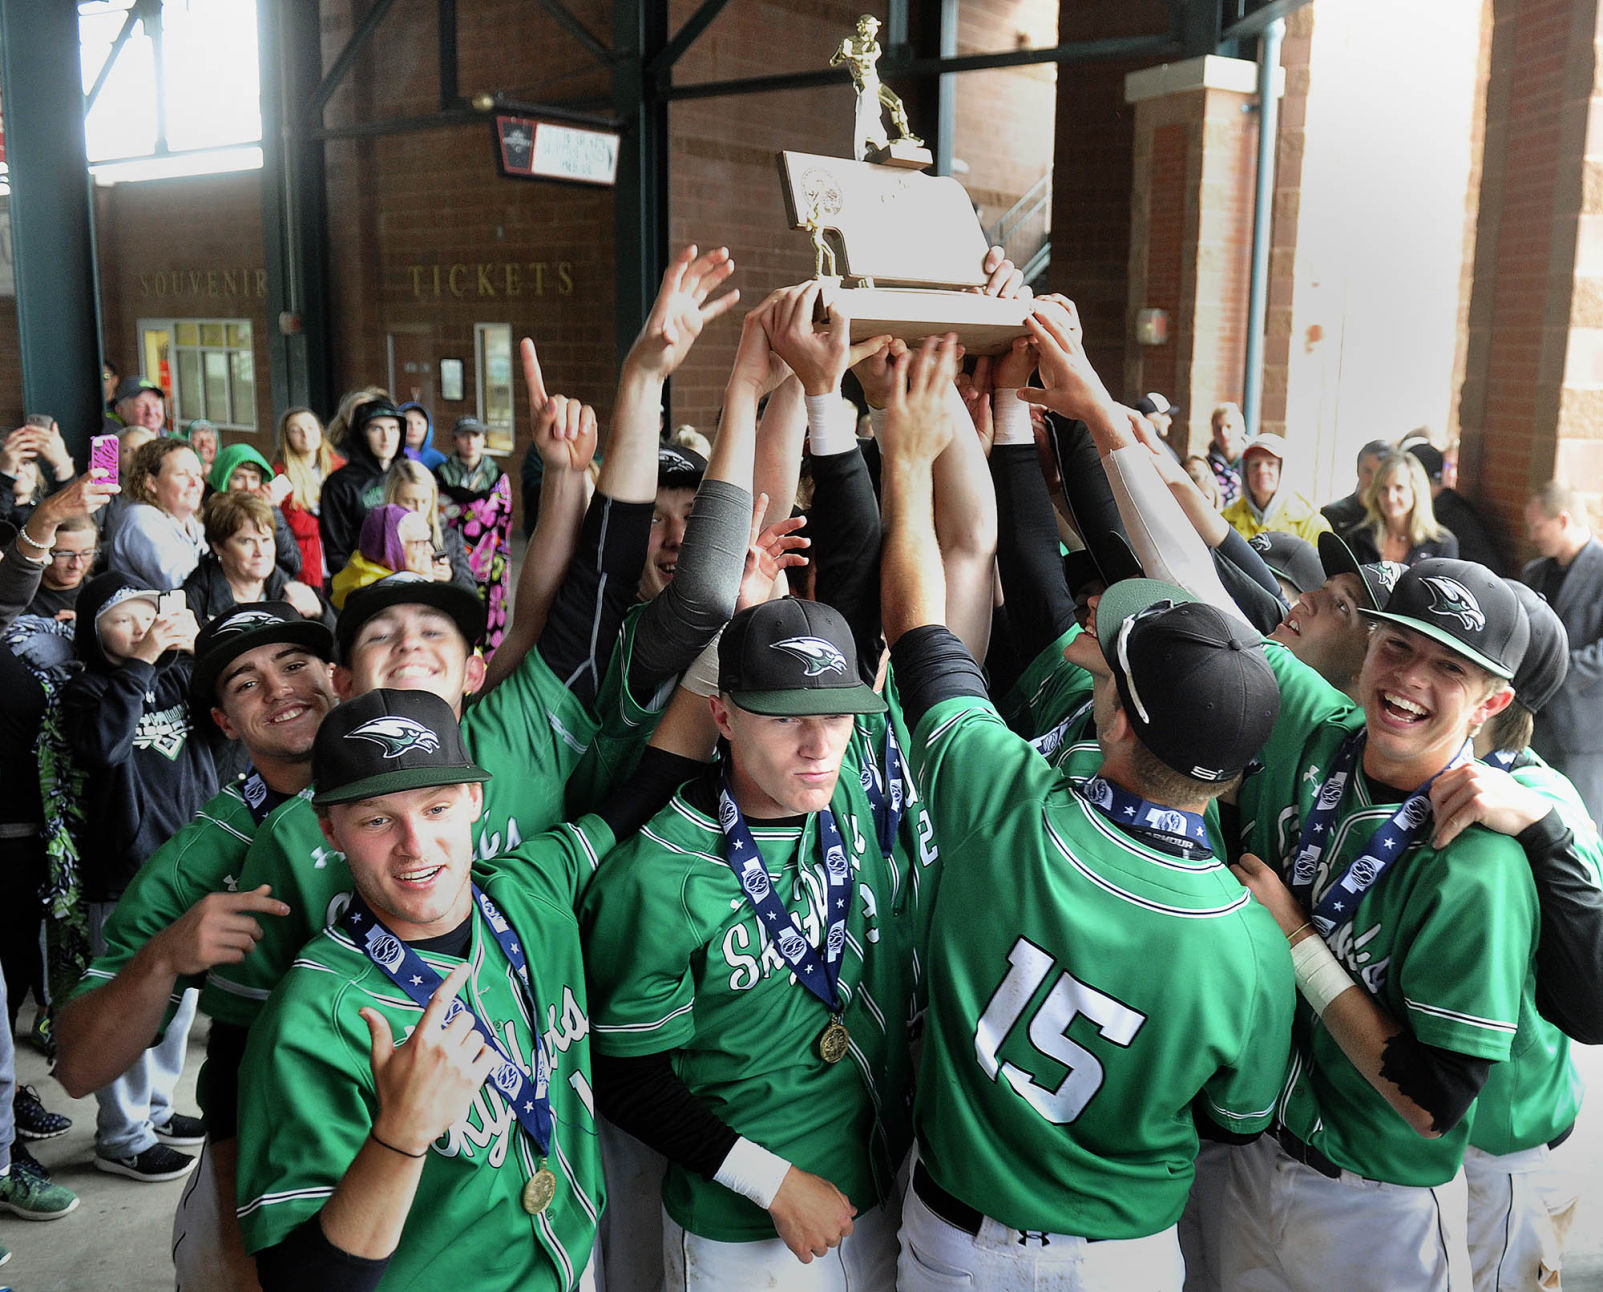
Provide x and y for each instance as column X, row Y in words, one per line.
column 529, row 733
column 1072, row 1029
column 1536, row 1095
column 308, row 1099
column 1050, row 702
column 625, row 727
column 204, row 857
column 678, row 961
column 1443, row 941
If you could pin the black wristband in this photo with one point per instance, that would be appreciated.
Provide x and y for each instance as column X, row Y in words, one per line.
column 373, row 1135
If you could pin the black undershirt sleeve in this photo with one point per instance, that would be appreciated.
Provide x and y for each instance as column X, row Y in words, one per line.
column 844, row 527
column 1442, row 1082
column 1569, row 953
column 602, row 582
column 1039, row 603
column 932, row 665
column 644, row 1096
column 647, row 791
column 306, row 1259
column 219, row 1095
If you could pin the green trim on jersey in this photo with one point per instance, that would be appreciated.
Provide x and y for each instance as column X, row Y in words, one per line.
column 529, row 733
column 678, row 961
column 1107, row 989
column 1047, row 692
column 1536, row 1094
column 625, row 729
column 307, row 1098
column 206, row 856
column 1444, row 941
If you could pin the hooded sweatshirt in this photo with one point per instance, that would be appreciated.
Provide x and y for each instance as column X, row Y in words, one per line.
column 428, row 455
column 129, row 726
column 287, row 552
column 348, row 495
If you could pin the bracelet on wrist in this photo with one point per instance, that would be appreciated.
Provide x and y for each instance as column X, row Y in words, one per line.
column 373, row 1135
column 31, row 541
column 1306, row 924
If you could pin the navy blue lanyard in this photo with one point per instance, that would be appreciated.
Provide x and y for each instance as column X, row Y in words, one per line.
column 529, row 1100
column 1502, row 759
column 260, row 797
column 1132, row 812
column 1049, row 742
column 746, row 860
column 886, row 790
column 1393, row 838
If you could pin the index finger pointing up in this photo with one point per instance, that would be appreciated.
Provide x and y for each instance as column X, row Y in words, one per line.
column 532, row 377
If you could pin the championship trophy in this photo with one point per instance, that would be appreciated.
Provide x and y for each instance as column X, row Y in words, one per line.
column 903, row 247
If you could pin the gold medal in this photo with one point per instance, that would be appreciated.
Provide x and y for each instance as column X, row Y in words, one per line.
column 539, row 1191
column 833, row 1043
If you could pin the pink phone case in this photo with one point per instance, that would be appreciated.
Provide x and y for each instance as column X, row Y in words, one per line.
column 103, row 454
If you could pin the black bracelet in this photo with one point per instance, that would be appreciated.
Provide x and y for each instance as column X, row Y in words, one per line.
column 373, row 1135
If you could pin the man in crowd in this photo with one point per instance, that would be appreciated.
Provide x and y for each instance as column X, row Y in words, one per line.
column 1452, row 509
column 1346, row 512
column 137, row 401
column 1229, row 437
column 71, row 558
column 1569, row 572
column 1266, row 502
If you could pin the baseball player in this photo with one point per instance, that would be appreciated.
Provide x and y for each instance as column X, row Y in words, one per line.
column 263, row 673
column 1062, row 1059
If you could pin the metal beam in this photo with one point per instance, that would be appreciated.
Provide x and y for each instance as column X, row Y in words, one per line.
column 1253, row 24
column 686, row 36
column 1083, row 51
column 347, row 56
column 1196, row 26
column 127, row 30
column 458, row 116
column 640, row 198
column 52, row 231
column 450, row 93
column 578, row 31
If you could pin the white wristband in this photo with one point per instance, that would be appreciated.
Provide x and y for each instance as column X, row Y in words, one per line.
column 829, row 431
column 753, row 1172
column 876, row 421
column 1320, row 976
column 702, row 675
column 1010, row 417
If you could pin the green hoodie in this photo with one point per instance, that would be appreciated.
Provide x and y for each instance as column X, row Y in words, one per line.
column 235, row 455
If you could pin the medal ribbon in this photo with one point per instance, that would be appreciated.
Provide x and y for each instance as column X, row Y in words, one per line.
column 746, row 860
column 886, row 791
column 1049, row 742
column 1502, row 759
column 529, row 1100
column 1132, row 812
column 260, row 798
column 1393, row 838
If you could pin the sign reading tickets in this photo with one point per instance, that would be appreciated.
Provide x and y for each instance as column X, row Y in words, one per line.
column 526, row 148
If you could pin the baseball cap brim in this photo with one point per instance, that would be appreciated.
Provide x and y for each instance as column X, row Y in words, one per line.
column 1445, row 638
column 400, row 780
column 1338, row 558
column 209, row 667
column 1130, row 597
column 464, row 607
column 811, row 702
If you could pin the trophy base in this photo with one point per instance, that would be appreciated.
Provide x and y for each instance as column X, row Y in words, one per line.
column 902, row 153
column 984, row 324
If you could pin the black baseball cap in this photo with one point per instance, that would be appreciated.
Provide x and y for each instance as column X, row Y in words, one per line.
column 405, row 589
column 468, row 426
column 1193, row 682
column 1155, row 402
column 128, row 387
column 793, row 657
column 244, row 628
column 1466, row 608
column 679, row 468
column 1430, row 457
column 1293, row 558
column 387, row 741
column 1378, row 577
column 1547, row 656
column 364, row 413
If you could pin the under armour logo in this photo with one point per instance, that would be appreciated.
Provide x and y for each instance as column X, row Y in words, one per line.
column 1034, row 1238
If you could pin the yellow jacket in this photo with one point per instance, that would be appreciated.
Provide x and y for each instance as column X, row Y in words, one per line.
column 1288, row 513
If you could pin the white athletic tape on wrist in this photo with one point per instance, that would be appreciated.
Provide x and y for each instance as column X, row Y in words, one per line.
column 753, row 1172
column 1010, row 417
column 1320, row 976
column 829, row 429
column 876, row 420
column 702, row 675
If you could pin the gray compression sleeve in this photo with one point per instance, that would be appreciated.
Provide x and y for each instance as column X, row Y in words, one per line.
column 701, row 598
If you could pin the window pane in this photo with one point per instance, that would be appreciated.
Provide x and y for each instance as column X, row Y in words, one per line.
column 216, row 387
column 188, row 334
column 495, row 385
column 189, row 397
column 243, row 364
column 212, row 334
column 239, row 336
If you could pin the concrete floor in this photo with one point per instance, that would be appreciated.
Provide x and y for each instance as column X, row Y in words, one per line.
column 118, row 1237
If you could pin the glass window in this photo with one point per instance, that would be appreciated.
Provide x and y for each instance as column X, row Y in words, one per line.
column 188, row 334
column 216, row 362
column 188, row 393
column 242, row 371
column 213, row 334
column 209, row 367
column 496, row 393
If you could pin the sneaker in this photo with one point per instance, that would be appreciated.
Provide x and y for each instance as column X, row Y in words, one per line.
column 158, row 1162
column 33, row 1195
column 43, row 1036
column 181, row 1131
column 34, row 1120
column 5, row 1255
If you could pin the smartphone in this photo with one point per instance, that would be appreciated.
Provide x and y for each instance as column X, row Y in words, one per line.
column 42, row 420
column 103, row 454
column 171, row 603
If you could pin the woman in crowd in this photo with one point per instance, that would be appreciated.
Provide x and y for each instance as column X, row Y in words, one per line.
column 372, row 441
column 419, row 432
column 478, row 507
column 394, row 538
column 241, row 469
column 304, row 457
column 1398, row 523
column 409, row 485
column 202, row 437
column 159, row 539
column 240, row 567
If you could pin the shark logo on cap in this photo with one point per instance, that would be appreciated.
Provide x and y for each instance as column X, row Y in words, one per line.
column 1258, row 543
column 667, row 457
column 396, row 736
column 1455, row 601
column 244, row 620
column 1385, row 572
column 818, row 655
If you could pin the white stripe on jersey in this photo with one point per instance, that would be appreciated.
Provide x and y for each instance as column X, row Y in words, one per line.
column 289, row 1195
column 223, row 826
column 642, row 1027
column 1453, row 1016
column 1242, row 1117
column 985, row 713
column 234, row 989
column 1106, row 885
column 563, row 734
column 584, row 843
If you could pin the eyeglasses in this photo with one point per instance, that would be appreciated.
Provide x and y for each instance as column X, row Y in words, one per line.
column 79, row 558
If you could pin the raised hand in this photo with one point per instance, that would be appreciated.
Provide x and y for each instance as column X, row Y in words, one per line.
column 810, row 1214
column 876, row 367
column 917, row 427
column 769, row 552
column 533, row 379
column 425, row 1085
column 220, row 929
column 682, row 310
column 1072, row 385
column 565, row 434
column 817, row 358
column 1003, row 278
column 1477, row 794
column 976, row 390
column 757, row 366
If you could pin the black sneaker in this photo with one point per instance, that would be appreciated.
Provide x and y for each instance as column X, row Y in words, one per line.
column 181, row 1131
column 34, row 1120
column 158, row 1162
